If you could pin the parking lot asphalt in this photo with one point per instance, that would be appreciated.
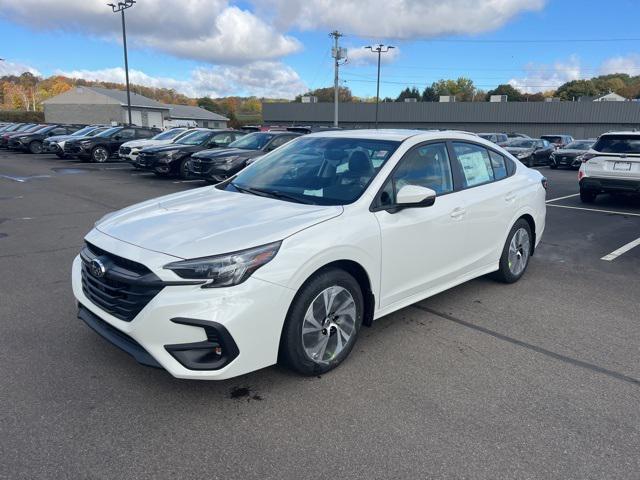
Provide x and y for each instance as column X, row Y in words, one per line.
column 539, row 379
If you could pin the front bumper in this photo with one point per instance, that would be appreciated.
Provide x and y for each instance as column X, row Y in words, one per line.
column 566, row 161
column 77, row 149
column 51, row 147
column 252, row 315
column 605, row 185
column 213, row 171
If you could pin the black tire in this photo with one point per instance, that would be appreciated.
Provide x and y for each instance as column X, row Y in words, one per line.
column 99, row 154
column 35, row 147
column 505, row 272
column 292, row 350
column 587, row 196
column 61, row 155
column 183, row 171
column 553, row 166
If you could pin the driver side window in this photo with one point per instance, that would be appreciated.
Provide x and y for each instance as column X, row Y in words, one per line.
column 424, row 166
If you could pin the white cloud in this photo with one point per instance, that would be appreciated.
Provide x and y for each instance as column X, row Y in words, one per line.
column 262, row 79
column 400, row 19
column 206, row 30
column 622, row 64
column 358, row 56
column 13, row 68
column 541, row 77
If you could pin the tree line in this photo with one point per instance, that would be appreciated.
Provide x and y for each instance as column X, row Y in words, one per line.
column 464, row 90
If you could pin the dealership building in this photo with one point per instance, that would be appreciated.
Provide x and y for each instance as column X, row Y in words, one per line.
column 96, row 105
column 579, row 119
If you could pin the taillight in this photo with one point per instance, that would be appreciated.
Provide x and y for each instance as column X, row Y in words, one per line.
column 545, row 183
column 587, row 156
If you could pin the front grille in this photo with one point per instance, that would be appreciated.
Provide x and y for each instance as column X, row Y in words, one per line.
column 124, row 289
column 73, row 148
column 125, row 150
column 145, row 159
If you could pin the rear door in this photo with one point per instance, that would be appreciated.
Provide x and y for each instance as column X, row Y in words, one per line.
column 492, row 199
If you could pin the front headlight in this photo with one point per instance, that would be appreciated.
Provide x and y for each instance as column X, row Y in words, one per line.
column 86, row 143
column 171, row 154
column 225, row 270
column 523, row 154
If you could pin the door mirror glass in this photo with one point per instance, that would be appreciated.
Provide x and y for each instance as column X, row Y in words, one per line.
column 415, row 196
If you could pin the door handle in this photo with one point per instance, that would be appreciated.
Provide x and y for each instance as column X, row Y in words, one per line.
column 510, row 197
column 458, row 212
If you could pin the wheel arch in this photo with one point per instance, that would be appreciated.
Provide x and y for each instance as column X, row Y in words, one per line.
column 532, row 225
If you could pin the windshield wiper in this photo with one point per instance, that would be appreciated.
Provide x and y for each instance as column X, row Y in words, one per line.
column 270, row 194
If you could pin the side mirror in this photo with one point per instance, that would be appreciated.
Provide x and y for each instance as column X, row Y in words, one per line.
column 413, row 196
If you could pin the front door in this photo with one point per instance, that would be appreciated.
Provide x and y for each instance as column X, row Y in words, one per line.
column 424, row 247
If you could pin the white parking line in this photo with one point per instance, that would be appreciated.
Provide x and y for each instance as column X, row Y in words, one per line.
column 623, row 249
column 595, row 210
column 188, row 181
column 562, row 198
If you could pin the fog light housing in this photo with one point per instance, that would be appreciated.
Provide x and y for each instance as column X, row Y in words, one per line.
column 214, row 353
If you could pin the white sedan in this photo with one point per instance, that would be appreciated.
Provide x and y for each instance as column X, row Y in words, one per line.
column 289, row 258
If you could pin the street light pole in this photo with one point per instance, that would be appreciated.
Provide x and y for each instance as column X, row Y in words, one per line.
column 121, row 7
column 379, row 49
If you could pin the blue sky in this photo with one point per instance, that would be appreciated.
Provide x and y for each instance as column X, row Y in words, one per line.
column 279, row 48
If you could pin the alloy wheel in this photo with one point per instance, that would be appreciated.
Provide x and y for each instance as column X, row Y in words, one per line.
column 329, row 324
column 519, row 249
column 100, row 155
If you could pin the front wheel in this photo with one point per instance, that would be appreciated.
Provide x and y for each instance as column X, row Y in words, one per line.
column 99, row 155
column 516, row 253
column 183, row 170
column 35, row 146
column 323, row 323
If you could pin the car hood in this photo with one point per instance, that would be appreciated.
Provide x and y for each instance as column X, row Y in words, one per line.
column 208, row 221
column 227, row 152
column 570, row 151
column 61, row 138
column 171, row 146
column 79, row 139
column 518, row 149
column 145, row 143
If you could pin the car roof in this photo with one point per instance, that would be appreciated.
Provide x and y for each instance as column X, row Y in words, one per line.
column 390, row 134
column 630, row 132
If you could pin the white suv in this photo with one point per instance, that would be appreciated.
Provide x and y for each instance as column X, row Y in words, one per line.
column 612, row 165
column 291, row 256
column 129, row 150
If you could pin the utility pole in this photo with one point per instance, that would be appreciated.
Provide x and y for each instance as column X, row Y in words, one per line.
column 379, row 49
column 121, row 7
column 338, row 54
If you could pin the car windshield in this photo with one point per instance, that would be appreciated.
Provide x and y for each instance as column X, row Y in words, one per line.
column 169, row 134
column 522, row 143
column 486, row 136
column 109, row 131
column 46, row 129
column 95, row 131
column 320, row 170
column 552, row 138
column 194, row 138
column 83, row 131
column 579, row 145
column 252, row 141
column 618, row 144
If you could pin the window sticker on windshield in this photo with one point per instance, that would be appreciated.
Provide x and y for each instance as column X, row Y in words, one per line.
column 314, row 193
column 475, row 168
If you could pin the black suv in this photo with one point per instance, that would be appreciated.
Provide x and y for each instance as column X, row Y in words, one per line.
column 171, row 160
column 218, row 165
column 32, row 141
column 26, row 128
column 101, row 147
column 55, row 144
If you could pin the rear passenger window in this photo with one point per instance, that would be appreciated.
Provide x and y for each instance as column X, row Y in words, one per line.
column 499, row 165
column 475, row 163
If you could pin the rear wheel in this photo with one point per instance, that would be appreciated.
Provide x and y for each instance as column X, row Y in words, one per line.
column 323, row 323
column 99, row 155
column 516, row 253
column 35, row 146
column 587, row 196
